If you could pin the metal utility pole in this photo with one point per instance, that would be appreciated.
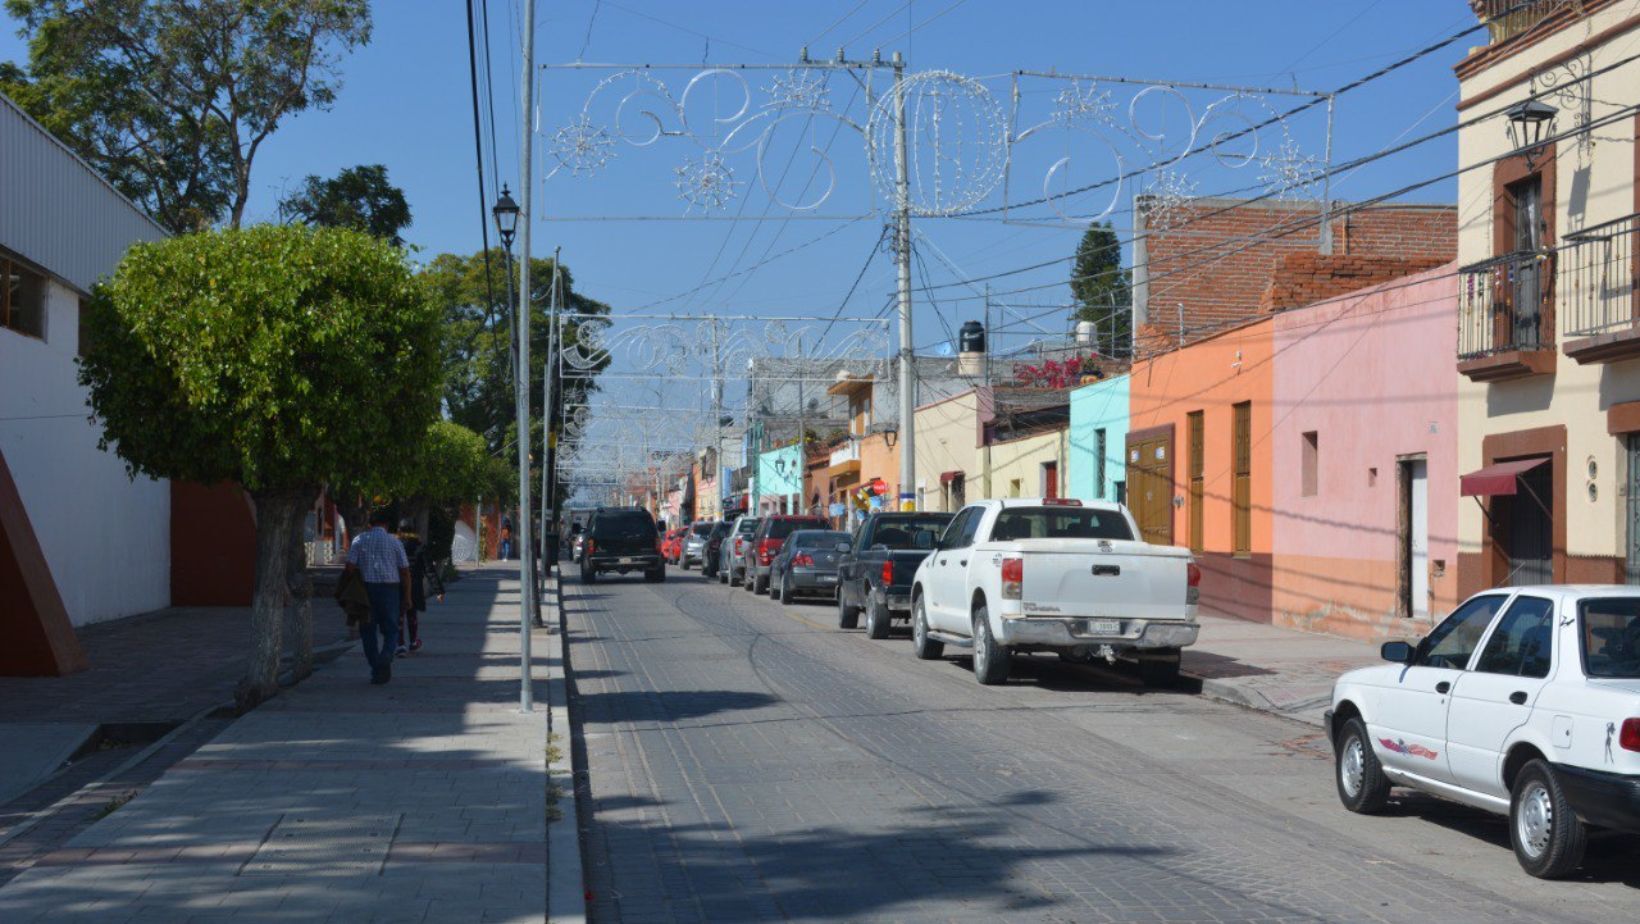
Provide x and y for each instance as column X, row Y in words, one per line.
column 717, row 424
column 902, row 254
column 1326, row 184
column 551, row 387
column 526, row 555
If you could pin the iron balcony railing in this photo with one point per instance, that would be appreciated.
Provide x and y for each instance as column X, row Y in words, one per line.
column 1504, row 305
column 1599, row 278
column 1506, row 19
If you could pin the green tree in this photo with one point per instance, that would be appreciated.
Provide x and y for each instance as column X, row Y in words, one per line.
column 1101, row 288
column 279, row 358
column 478, row 390
column 360, row 198
column 172, row 99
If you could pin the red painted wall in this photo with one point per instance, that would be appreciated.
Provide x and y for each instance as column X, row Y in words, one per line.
column 213, row 545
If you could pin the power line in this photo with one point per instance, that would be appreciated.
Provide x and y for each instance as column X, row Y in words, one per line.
column 688, row 31
column 478, row 149
column 838, row 21
column 907, row 33
column 874, row 26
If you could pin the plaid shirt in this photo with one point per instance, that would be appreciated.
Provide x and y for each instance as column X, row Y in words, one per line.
column 378, row 554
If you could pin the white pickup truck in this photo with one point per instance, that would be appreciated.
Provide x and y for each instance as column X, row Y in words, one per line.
column 1053, row 574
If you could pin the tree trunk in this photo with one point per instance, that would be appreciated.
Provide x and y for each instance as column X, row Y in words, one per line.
column 275, row 519
column 299, row 584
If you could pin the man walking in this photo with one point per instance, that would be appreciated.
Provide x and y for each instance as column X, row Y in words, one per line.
column 379, row 557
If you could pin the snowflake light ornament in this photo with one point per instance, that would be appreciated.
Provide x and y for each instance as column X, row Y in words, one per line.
column 1289, row 172
column 707, row 184
column 798, row 90
column 1169, row 195
column 1078, row 105
column 582, row 147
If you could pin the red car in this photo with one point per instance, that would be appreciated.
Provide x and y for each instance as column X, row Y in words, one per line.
column 672, row 545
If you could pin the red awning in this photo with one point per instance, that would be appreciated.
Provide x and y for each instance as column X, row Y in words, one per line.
column 948, row 477
column 1499, row 479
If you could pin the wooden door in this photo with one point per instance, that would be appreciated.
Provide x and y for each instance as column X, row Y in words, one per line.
column 1150, row 487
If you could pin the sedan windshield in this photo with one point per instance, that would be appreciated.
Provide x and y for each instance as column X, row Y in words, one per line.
column 1611, row 637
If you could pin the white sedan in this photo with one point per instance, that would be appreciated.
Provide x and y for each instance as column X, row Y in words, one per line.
column 1525, row 701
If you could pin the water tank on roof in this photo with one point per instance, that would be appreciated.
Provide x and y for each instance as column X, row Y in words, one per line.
column 971, row 349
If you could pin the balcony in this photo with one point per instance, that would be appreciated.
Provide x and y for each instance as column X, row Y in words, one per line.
column 1506, row 19
column 1506, row 321
column 1599, row 280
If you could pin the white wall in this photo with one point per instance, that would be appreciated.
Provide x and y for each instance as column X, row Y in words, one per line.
column 106, row 538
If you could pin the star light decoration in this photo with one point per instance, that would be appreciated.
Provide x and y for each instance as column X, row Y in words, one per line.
column 707, row 184
column 582, row 146
column 1169, row 194
column 1078, row 105
column 1289, row 172
column 797, row 89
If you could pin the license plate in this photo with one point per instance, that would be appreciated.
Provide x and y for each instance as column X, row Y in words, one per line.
column 1104, row 627
column 828, row 578
column 625, row 561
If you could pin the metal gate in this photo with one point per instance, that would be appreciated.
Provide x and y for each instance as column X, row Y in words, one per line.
column 1531, row 538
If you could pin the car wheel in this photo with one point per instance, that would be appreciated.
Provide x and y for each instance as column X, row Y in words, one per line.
column 1362, row 786
column 877, row 620
column 1545, row 831
column 991, row 660
column 922, row 646
column 785, row 590
column 758, row 584
column 589, row 575
column 774, row 588
column 847, row 616
column 1159, row 668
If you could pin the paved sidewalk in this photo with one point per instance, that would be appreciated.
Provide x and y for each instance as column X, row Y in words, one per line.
column 424, row 800
column 1283, row 671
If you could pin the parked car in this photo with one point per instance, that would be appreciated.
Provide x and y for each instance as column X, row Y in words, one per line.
column 712, row 551
column 807, row 564
column 694, row 544
column 734, row 549
column 1049, row 574
column 874, row 575
column 621, row 539
column 765, row 544
column 672, row 546
column 1524, row 702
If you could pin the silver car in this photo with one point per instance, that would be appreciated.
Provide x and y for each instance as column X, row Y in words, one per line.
column 694, row 543
column 736, row 548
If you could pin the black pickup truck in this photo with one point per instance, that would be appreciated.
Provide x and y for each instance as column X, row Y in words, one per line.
column 875, row 574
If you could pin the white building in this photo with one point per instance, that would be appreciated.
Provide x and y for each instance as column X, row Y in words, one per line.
column 104, row 537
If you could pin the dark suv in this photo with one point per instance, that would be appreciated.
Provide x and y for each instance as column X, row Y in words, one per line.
column 621, row 539
column 766, row 542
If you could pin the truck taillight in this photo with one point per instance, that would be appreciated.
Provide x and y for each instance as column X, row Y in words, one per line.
column 766, row 550
column 1629, row 737
column 888, row 572
column 1013, row 578
column 739, row 544
column 1193, row 583
column 588, row 546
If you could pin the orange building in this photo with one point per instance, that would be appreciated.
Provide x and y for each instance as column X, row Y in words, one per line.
column 1199, row 462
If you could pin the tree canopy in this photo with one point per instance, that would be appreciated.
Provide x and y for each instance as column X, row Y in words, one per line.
column 1101, row 288
column 359, row 197
column 278, row 358
column 171, row 99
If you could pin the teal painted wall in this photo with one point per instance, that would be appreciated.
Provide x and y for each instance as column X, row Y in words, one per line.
column 770, row 482
column 1100, row 406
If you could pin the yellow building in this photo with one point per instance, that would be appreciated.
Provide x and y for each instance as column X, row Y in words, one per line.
column 991, row 443
column 1549, row 390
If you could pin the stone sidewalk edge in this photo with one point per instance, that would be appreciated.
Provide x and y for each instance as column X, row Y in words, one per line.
column 1227, row 692
column 566, row 887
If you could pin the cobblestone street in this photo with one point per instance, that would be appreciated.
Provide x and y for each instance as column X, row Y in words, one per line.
column 751, row 762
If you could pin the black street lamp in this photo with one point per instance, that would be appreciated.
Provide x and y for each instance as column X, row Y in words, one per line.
column 1529, row 121
column 506, row 217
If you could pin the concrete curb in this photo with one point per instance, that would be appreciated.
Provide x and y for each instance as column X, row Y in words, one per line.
column 566, row 885
column 1227, row 692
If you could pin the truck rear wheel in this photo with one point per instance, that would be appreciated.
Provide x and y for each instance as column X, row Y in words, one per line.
column 922, row 646
column 877, row 620
column 991, row 660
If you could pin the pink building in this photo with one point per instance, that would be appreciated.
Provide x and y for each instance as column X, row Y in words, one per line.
column 1365, row 471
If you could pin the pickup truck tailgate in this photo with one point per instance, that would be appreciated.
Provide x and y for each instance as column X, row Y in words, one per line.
column 1131, row 580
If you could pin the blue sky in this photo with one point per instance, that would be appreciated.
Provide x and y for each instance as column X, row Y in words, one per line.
column 405, row 104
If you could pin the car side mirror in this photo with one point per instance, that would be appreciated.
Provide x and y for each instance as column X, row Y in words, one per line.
column 842, row 547
column 1396, row 652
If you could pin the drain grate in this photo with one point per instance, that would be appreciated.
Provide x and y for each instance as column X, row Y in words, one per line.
column 316, row 846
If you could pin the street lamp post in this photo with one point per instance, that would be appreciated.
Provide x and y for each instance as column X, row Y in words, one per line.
column 507, row 213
